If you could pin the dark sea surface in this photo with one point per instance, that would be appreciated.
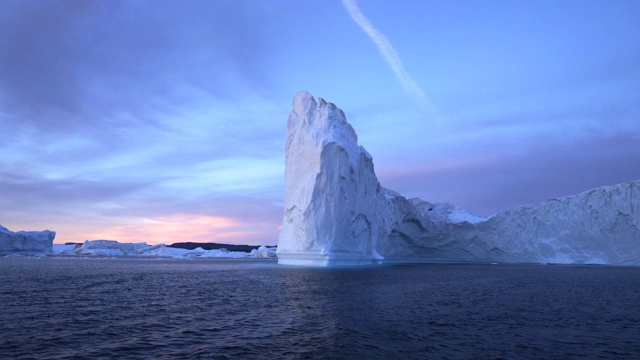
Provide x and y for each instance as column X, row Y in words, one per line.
column 235, row 309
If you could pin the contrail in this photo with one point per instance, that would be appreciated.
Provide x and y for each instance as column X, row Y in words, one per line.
column 391, row 56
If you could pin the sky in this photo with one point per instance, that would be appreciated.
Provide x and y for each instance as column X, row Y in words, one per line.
column 164, row 121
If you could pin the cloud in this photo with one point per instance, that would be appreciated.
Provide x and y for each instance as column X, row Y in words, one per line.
column 68, row 64
column 391, row 56
column 133, row 102
column 115, row 208
column 189, row 227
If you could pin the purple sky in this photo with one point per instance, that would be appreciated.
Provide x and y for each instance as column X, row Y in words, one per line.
column 164, row 121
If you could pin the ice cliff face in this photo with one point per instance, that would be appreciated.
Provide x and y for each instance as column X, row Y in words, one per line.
column 599, row 226
column 331, row 191
column 26, row 241
column 336, row 213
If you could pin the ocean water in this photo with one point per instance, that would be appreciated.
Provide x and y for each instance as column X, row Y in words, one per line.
column 70, row 308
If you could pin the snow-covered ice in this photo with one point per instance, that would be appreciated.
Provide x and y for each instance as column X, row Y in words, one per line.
column 599, row 226
column 263, row 252
column 336, row 212
column 26, row 241
column 64, row 249
column 112, row 248
column 331, row 191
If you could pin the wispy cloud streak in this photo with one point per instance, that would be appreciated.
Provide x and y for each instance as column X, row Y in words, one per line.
column 391, row 56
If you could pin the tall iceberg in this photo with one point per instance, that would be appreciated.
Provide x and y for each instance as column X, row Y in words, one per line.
column 331, row 191
column 336, row 212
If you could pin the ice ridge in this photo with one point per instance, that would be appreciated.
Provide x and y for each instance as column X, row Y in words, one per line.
column 336, row 212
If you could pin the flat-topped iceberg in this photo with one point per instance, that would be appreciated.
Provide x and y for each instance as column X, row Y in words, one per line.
column 336, row 212
column 110, row 248
column 26, row 241
column 113, row 248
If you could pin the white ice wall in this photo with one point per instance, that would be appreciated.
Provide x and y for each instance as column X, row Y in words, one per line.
column 336, row 213
column 26, row 241
column 331, row 191
column 599, row 226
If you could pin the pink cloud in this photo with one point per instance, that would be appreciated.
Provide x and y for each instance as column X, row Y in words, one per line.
column 194, row 228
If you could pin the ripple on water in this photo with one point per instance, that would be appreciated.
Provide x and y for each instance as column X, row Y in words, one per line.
column 139, row 308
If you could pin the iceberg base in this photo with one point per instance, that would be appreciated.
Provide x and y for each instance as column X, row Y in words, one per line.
column 327, row 260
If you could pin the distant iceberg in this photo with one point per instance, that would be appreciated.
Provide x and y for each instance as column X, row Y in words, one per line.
column 110, row 248
column 64, row 249
column 26, row 241
column 336, row 212
column 113, row 248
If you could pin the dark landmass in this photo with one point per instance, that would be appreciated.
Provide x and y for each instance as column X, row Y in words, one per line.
column 213, row 246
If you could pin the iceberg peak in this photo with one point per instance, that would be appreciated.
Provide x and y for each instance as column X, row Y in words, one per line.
column 331, row 191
